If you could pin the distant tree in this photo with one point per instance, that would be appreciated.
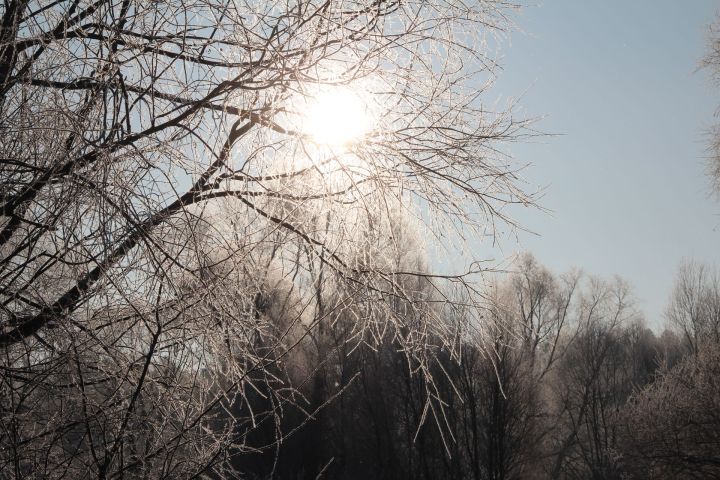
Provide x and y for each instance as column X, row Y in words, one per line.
column 541, row 304
column 178, row 198
column 524, row 333
column 667, row 429
column 672, row 425
column 694, row 308
column 591, row 383
column 502, row 425
column 645, row 353
column 502, row 407
column 670, row 348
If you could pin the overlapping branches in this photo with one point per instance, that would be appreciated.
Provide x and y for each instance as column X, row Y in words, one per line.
column 169, row 230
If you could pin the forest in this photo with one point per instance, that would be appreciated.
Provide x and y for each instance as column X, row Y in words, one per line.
column 232, row 236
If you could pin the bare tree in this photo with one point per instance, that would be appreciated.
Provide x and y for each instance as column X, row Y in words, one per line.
column 502, row 423
column 591, row 383
column 542, row 302
column 172, row 200
column 500, row 428
column 672, row 425
column 694, row 308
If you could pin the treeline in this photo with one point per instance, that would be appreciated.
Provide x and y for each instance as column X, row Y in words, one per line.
column 561, row 379
column 550, row 376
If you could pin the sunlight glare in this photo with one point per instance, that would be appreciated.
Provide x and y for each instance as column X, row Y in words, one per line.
column 337, row 117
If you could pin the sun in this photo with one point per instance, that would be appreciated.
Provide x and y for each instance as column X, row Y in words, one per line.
column 337, row 117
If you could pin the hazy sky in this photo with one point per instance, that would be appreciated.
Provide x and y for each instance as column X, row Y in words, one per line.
column 625, row 179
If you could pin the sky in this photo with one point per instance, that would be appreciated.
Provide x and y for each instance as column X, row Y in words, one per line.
column 618, row 84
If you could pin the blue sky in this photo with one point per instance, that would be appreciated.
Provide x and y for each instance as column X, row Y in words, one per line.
column 625, row 180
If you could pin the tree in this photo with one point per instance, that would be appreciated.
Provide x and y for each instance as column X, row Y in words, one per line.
column 500, row 427
column 591, row 383
column 694, row 308
column 672, row 425
column 172, row 202
column 541, row 303
column 502, row 384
